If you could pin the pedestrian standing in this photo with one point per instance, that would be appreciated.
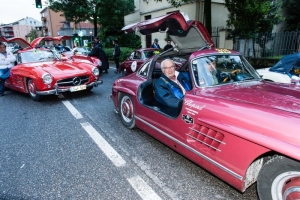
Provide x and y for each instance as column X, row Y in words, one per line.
column 116, row 55
column 100, row 53
column 97, row 42
column 155, row 44
column 168, row 46
column 7, row 60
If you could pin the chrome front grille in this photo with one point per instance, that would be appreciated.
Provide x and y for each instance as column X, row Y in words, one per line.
column 205, row 138
column 73, row 81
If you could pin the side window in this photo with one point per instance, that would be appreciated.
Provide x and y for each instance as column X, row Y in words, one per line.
column 131, row 55
column 143, row 71
column 137, row 55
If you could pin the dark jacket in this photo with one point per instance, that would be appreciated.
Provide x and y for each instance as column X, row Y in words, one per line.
column 168, row 46
column 98, row 44
column 164, row 93
column 117, row 51
column 99, row 53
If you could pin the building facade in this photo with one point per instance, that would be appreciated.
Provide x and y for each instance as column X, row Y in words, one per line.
column 20, row 28
column 56, row 25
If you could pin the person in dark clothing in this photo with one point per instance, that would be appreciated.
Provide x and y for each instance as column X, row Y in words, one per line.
column 100, row 53
column 116, row 55
column 168, row 46
column 97, row 42
column 171, row 87
column 155, row 44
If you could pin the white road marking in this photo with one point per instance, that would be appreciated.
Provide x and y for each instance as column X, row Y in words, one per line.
column 142, row 188
column 72, row 109
column 103, row 145
column 138, row 184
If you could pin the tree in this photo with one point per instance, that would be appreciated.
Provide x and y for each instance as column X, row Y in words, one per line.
column 252, row 16
column 33, row 34
column 106, row 13
column 292, row 14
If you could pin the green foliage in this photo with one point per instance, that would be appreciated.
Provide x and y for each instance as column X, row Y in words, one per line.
column 125, row 52
column 130, row 40
column 32, row 34
column 252, row 16
column 292, row 14
column 176, row 3
column 109, row 15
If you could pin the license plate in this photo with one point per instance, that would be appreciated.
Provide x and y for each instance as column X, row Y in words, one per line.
column 77, row 88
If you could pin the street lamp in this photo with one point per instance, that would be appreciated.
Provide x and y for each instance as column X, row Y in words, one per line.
column 91, row 33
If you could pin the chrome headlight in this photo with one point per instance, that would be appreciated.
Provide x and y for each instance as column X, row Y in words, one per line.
column 47, row 78
column 95, row 71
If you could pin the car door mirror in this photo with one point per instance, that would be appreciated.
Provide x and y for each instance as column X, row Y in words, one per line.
column 295, row 82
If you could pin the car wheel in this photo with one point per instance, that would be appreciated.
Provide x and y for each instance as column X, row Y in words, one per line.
column 279, row 179
column 31, row 87
column 126, row 111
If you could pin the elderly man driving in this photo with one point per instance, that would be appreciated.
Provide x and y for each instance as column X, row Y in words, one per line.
column 170, row 88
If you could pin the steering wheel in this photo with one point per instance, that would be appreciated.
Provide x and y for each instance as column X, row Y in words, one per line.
column 231, row 75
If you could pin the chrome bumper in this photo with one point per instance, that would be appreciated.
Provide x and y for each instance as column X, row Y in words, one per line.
column 60, row 90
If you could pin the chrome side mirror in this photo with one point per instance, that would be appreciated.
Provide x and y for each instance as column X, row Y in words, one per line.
column 295, row 82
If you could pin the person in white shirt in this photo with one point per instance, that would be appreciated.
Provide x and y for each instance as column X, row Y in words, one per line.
column 7, row 60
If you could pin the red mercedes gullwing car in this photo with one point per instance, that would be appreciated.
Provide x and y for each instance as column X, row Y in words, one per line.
column 136, row 59
column 39, row 71
column 239, row 127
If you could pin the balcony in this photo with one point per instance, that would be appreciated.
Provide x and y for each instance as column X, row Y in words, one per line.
column 43, row 19
column 45, row 28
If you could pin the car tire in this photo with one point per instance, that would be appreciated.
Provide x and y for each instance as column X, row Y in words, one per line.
column 279, row 179
column 31, row 88
column 89, row 89
column 126, row 111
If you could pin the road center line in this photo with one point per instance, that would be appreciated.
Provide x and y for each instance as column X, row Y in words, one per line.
column 72, row 109
column 103, row 145
column 142, row 188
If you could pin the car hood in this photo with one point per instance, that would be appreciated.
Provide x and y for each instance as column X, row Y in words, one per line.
column 59, row 68
column 273, row 95
column 185, row 33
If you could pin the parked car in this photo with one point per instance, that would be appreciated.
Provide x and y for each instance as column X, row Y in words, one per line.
column 136, row 59
column 286, row 70
column 79, row 57
column 81, row 50
column 241, row 129
column 41, row 72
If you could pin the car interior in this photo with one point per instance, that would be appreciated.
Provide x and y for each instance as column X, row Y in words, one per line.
column 146, row 89
column 228, row 69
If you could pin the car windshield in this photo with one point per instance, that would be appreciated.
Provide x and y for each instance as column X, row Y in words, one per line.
column 36, row 56
column 149, row 54
column 221, row 69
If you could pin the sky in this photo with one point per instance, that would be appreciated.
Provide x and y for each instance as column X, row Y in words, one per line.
column 14, row 10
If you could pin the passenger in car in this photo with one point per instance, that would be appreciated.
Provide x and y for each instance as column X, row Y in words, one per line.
column 171, row 87
column 208, row 73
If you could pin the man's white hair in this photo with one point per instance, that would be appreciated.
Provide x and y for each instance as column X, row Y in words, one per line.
column 162, row 64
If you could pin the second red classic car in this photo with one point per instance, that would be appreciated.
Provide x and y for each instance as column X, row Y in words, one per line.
column 239, row 127
column 136, row 59
column 39, row 71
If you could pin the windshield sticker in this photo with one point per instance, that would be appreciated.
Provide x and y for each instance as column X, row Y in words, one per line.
column 223, row 51
column 190, row 103
column 187, row 119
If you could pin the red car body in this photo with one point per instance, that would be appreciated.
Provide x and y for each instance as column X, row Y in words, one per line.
column 39, row 71
column 242, row 129
column 136, row 59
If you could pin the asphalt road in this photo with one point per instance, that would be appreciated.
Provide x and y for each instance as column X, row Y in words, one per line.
column 75, row 147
